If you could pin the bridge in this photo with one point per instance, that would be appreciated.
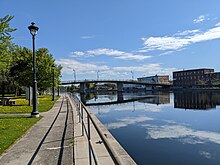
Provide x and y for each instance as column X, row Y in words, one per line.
column 118, row 82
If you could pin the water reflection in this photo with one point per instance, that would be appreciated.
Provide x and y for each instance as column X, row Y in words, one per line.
column 154, row 130
column 199, row 100
column 92, row 99
column 196, row 99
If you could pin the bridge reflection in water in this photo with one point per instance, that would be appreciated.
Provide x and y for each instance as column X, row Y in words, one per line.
column 93, row 99
column 198, row 100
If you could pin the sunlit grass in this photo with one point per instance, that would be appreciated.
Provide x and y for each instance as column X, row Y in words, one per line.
column 11, row 128
column 21, row 105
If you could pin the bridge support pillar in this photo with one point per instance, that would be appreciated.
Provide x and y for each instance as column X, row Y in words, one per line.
column 119, row 86
column 82, row 88
column 120, row 97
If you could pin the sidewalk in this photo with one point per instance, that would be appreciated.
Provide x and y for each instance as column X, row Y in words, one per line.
column 50, row 141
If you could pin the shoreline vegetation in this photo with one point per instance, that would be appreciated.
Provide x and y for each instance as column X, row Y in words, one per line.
column 13, row 128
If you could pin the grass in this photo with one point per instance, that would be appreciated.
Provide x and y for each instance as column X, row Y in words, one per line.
column 11, row 128
column 21, row 106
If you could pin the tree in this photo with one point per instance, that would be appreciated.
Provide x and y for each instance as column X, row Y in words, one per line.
column 6, row 48
column 21, row 68
column 44, row 69
column 5, row 42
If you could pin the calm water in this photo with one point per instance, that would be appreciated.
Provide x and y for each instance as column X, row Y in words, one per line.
column 163, row 128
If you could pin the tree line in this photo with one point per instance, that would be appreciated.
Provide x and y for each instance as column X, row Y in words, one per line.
column 16, row 63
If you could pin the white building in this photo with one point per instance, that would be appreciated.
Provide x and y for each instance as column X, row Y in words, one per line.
column 155, row 79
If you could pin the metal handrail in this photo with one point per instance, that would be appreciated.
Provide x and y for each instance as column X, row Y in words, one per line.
column 80, row 109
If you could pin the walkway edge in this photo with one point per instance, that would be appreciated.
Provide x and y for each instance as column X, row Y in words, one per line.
column 119, row 151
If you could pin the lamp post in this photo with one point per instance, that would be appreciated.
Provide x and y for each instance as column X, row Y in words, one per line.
column 132, row 75
column 98, row 75
column 58, row 91
column 33, row 30
column 53, row 66
column 74, row 74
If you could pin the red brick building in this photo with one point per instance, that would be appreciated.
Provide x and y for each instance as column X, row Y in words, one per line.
column 189, row 78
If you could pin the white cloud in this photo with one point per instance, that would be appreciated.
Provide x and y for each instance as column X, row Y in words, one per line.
column 200, row 19
column 128, row 121
column 78, row 53
column 188, row 32
column 206, row 154
column 218, row 24
column 69, row 64
column 148, row 69
column 87, row 37
column 111, row 72
column 180, row 40
column 179, row 131
column 110, row 52
column 211, row 34
column 164, row 43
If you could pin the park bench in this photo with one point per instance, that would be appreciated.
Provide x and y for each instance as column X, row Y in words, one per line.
column 7, row 101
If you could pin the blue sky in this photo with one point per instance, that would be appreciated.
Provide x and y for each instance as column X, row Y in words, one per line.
column 118, row 37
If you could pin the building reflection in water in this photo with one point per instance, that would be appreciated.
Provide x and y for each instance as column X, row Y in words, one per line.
column 157, row 98
column 196, row 99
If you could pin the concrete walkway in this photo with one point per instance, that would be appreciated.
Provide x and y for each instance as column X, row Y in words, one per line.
column 57, row 139
column 81, row 146
column 50, row 141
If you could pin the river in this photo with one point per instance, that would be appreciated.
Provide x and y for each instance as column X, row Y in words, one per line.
column 163, row 128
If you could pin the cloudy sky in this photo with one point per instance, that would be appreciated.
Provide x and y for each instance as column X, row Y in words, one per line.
column 118, row 38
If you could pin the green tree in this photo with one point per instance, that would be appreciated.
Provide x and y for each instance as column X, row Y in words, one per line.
column 45, row 62
column 5, row 42
column 21, row 69
column 6, row 49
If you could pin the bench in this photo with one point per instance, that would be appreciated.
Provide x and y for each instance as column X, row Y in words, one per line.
column 7, row 101
column 12, row 102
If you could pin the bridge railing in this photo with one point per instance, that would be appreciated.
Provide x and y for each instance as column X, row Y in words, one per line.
column 116, row 80
column 85, row 118
column 85, row 80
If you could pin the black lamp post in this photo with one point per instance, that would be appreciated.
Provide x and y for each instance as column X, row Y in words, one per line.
column 53, row 66
column 33, row 30
column 58, row 91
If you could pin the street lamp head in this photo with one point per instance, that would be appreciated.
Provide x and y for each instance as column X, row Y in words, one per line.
column 33, row 29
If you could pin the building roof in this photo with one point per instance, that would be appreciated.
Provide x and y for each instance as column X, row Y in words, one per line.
column 194, row 70
column 155, row 76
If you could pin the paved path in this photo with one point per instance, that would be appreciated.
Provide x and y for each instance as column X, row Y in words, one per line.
column 50, row 141
column 81, row 147
column 57, row 139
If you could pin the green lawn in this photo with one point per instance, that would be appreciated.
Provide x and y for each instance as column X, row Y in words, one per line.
column 11, row 128
column 21, row 106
